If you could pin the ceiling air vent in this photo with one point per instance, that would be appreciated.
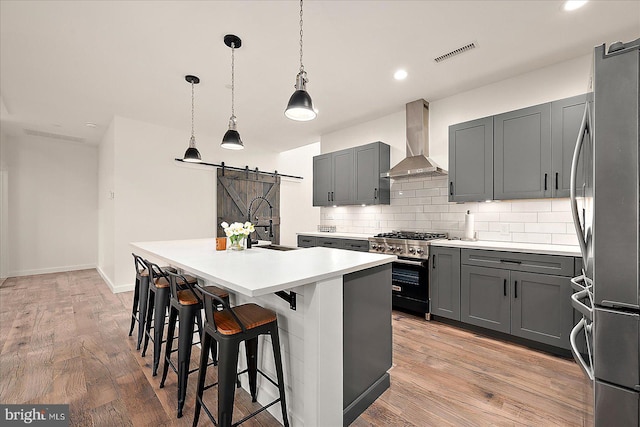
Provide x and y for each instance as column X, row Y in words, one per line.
column 458, row 51
column 53, row 135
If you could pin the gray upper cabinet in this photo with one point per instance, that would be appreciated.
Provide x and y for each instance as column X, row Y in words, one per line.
column 471, row 161
column 322, row 179
column 343, row 182
column 444, row 283
column 522, row 153
column 566, row 117
column 370, row 161
column 352, row 176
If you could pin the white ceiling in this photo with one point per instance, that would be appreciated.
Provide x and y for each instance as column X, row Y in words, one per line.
column 65, row 63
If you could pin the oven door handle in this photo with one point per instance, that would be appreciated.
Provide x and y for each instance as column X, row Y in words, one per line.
column 409, row 262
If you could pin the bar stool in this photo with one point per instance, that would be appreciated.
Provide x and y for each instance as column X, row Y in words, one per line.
column 185, row 306
column 157, row 305
column 139, row 309
column 227, row 329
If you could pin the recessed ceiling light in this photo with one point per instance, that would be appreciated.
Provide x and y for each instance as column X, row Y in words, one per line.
column 570, row 5
column 90, row 125
column 400, row 75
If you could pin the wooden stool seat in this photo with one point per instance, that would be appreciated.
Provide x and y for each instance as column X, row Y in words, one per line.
column 251, row 315
column 162, row 282
column 186, row 297
column 215, row 290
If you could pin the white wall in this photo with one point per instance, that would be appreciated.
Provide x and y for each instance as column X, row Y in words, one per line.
column 421, row 203
column 296, row 196
column 106, row 216
column 52, row 205
column 4, row 208
column 156, row 198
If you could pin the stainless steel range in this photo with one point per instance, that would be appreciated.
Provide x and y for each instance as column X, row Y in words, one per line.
column 410, row 273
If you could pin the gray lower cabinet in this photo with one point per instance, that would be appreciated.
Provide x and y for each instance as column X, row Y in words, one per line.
column 444, row 282
column 522, row 153
column 485, row 298
column 540, row 308
column 471, row 161
column 352, row 176
column 305, row 241
column 510, row 293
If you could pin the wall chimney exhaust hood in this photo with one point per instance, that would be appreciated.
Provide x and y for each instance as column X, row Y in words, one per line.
column 417, row 161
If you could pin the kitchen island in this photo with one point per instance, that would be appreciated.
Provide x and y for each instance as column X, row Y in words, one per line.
column 336, row 344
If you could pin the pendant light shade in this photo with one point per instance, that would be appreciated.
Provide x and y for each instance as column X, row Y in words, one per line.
column 192, row 154
column 300, row 106
column 231, row 139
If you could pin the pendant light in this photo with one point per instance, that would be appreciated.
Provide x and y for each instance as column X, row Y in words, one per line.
column 300, row 107
column 192, row 154
column 231, row 139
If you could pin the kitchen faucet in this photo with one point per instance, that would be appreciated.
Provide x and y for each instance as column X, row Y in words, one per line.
column 270, row 217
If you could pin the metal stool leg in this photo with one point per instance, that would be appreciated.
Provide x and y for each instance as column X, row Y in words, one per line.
column 185, row 341
column 142, row 309
column 173, row 314
column 161, row 304
column 251, row 351
column 228, row 351
column 150, row 309
column 275, row 342
column 202, row 373
column 134, row 308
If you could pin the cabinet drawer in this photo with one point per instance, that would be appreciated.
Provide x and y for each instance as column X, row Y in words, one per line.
column 329, row 242
column 356, row 245
column 534, row 263
column 306, row 241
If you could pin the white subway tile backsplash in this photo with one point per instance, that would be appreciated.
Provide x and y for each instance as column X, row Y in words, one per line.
column 422, row 204
column 545, row 227
column 531, row 206
column 518, row 217
column 531, row 237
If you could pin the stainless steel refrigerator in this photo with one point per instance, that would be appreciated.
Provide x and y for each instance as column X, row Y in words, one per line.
column 605, row 199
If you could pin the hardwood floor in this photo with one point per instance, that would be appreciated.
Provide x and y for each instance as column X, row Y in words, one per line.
column 63, row 339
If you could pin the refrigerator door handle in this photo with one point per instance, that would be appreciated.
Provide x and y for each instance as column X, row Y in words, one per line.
column 588, row 369
column 584, row 309
column 584, row 127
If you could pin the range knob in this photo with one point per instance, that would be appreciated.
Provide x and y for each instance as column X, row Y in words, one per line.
column 399, row 250
column 412, row 250
column 391, row 248
column 420, row 251
column 374, row 246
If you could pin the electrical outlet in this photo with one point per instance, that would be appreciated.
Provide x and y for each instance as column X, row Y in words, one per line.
column 504, row 229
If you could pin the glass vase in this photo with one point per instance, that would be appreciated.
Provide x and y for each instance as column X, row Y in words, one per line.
column 237, row 244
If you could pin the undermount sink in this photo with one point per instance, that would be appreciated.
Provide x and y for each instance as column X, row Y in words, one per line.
column 277, row 247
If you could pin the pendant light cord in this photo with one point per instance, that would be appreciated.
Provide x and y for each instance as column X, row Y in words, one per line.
column 301, row 66
column 233, row 80
column 192, row 107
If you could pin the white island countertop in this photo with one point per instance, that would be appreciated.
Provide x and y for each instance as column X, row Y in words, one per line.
column 255, row 272
column 532, row 248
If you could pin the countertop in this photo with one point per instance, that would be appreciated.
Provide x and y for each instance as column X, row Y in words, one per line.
column 532, row 248
column 255, row 272
column 337, row 235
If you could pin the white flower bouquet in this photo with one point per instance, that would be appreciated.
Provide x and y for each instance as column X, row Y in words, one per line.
column 236, row 232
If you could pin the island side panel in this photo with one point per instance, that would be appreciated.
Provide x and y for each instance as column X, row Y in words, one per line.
column 323, row 375
column 367, row 338
column 291, row 326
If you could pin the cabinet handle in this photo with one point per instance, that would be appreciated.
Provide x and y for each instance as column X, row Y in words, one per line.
column 451, row 188
column 375, row 194
column 504, row 287
column 433, row 261
column 556, row 180
column 328, row 196
column 545, row 182
column 515, row 289
column 511, row 261
column 332, row 197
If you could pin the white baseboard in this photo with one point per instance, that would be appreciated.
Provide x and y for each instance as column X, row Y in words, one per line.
column 115, row 289
column 50, row 270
